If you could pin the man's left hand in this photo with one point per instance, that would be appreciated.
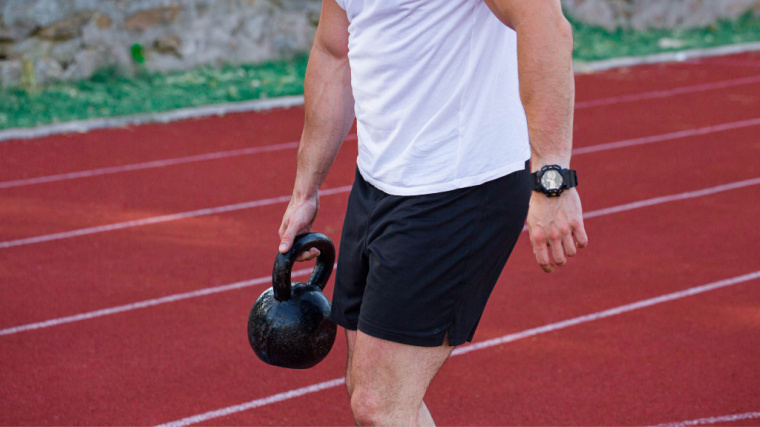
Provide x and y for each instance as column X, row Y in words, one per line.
column 556, row 228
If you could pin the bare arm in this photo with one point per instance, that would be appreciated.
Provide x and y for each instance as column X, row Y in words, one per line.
column 329, row 106
column 547, row 89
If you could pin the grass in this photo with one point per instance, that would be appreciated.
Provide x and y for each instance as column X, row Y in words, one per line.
column 108, row 93
column 595, row 43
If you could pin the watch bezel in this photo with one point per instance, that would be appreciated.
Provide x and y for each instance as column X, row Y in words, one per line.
column 551, row 192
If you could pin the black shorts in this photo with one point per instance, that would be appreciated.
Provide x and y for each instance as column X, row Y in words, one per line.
column 412, row 268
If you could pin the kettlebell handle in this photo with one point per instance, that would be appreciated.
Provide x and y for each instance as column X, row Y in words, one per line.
column 283, row 264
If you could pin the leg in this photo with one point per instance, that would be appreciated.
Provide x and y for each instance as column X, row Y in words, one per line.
column 387, row 381
column 350, row 341
column 423, row 419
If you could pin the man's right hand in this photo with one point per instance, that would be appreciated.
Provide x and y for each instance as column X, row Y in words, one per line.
column 298, row 219
column 329, row 114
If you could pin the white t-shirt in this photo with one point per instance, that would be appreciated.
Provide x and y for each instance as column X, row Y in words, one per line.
column 436, row 94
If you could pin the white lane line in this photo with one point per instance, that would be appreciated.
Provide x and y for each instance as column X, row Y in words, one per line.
column 160, row 219
column 238, row 285
column 607, row 313
column 141, row 304
column 713, row 420
column 284, row 199
column 290, row 145
column 673, row 198
column 669, row 198
column 147, row 303
column 155, row 164
column 668, row 136
column 684, row 90
column 257, row 403
column 479, row 346
column 148, row 165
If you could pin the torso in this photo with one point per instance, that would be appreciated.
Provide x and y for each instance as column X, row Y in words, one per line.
column 436, row 94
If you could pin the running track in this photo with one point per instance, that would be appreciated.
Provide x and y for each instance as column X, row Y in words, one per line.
column 129, row 259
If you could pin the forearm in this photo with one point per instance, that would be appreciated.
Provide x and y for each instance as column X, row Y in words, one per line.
column 547, row 87
column 329, row 108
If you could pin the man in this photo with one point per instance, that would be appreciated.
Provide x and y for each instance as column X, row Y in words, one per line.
column 442, row 190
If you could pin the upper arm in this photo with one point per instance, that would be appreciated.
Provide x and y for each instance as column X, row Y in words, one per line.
column 332, row 31
column 513, row 13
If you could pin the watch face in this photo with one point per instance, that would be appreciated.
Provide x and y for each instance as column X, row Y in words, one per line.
column 551, row 180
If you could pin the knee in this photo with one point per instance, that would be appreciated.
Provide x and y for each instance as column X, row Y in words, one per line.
column 368, row 407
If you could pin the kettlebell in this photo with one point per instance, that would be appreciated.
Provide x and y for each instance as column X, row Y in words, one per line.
column 289, row 325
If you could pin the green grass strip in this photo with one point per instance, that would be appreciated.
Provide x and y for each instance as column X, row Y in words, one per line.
column 109, row 94
column 596, row 43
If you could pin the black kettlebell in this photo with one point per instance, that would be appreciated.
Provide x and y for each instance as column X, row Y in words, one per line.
column 289, row 325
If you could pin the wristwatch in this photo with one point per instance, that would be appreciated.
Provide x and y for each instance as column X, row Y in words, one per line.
column 552, row 180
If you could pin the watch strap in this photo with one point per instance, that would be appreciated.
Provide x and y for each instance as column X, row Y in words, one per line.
column 571, row 178
column 537, row 183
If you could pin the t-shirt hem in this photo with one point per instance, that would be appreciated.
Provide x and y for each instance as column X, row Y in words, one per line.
column 465, row 182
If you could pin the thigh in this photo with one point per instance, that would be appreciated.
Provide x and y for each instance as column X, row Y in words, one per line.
column 351, row 274
column 398, row 372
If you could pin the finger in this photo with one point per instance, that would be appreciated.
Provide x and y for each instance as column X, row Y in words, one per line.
column 310, row 254
column 579, row 233
column 542, row 255
column 305, row 256
column 548, row 267
column 287, row 240
column 568, row 244
column 558, row 252
column 283, row 227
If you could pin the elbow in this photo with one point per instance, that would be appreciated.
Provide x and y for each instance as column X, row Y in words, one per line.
column 333, row 51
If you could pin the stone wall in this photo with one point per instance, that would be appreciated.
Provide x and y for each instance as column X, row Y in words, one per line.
column 649, row 14
column 49, row 40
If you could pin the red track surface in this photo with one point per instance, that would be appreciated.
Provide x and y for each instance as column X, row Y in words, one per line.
column 685, row 359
